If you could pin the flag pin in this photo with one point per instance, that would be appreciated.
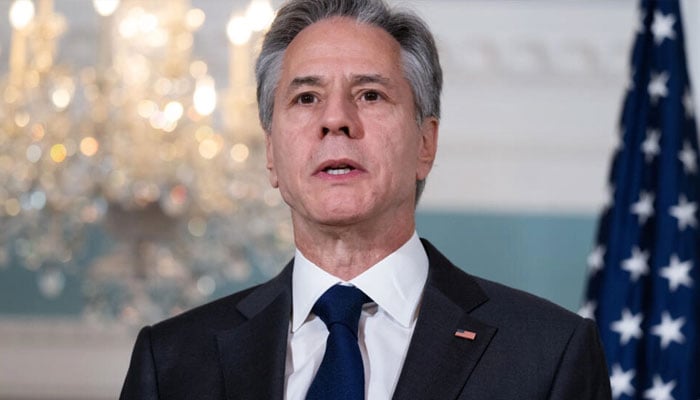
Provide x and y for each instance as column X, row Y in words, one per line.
column 469, row 335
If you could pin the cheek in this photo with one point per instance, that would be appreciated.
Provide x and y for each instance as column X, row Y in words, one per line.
column 403, row 145
column 294, row 119
column 290, row 157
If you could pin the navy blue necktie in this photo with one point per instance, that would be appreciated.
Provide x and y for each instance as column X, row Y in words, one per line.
column 340, row 375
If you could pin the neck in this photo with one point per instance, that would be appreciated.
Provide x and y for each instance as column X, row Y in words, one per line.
column 346, row 252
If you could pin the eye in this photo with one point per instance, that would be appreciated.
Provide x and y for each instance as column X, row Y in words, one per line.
column 306, row 98
column 371, row 95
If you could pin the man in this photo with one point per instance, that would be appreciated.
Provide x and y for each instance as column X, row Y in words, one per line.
column 349, row 97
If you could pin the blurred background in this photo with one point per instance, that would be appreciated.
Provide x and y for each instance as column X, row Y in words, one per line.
column 132, row 181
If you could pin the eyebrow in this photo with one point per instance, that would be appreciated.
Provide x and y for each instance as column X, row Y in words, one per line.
column 314, row 80
column 311, row 80
column 373, row 78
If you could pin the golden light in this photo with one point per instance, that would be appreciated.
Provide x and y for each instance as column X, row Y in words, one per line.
column 58, row 153
column 173, row 111
column 146, row 108
column 182, row 41
column 239, row 152
column 43, row 61
column 204, row 97
column 260, row 15
column 147, row 23
column 22, row 119
column 33, row 79
column 209, row 148
column 128, row 27
column 142, row 133
column 60, row 98
column 21, row 13
column 198, row 69
column 203, row 132
column 11, row 94
column 194, row 19
column 62, row 94
column 89, row 146
column 238, row 30
column 105, row 8
column 38, row 132
column 12, row 207
column 157, row 120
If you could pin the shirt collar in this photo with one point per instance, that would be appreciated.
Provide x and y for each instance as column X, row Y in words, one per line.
column 395, row 283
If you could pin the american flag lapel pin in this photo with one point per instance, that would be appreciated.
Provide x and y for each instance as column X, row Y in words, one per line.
column 464, row 334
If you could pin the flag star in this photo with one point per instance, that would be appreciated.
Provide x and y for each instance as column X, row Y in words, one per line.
column 595, row 259
column 629, row 326
column 677, row 273
column 660, row 390
column 588, row 310
column 657, row 86
column 662, row 27
column 669, row 330
column 688, row 104
column 650, row 146
column 637, row 265
column 621, row 381
column 688, row 158
column 644, row 208
column 685, row 213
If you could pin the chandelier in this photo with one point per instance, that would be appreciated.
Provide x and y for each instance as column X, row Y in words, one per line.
column 136, row 173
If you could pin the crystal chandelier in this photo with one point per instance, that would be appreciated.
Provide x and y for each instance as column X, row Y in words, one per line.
column 142, row 148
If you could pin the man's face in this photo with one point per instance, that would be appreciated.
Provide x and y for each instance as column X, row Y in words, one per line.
column 344, row 145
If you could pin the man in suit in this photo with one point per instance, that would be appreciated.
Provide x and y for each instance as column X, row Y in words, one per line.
column 349, row 98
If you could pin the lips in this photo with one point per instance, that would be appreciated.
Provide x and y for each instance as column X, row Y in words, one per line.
column 338, row 167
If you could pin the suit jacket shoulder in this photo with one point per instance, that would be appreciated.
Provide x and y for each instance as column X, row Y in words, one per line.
column 231, row 348
column 521, row 346
column 522, row 311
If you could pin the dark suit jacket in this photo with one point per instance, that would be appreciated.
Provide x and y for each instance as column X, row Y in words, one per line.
column 525, row 347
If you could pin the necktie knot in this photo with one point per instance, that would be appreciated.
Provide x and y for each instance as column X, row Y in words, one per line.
column 341, row 305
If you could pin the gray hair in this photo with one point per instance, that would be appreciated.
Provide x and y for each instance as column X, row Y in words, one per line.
column 421, row 63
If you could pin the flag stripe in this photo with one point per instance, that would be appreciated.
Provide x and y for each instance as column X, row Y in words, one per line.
column 466, row 334
column 643, row 292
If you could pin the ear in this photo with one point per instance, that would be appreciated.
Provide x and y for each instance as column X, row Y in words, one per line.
column 270, row 154
column 427, row 146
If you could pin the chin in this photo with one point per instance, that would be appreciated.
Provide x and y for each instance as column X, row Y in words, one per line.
column 339, row 218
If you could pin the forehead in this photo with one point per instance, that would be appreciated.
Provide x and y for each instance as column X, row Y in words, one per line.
column 342, row 44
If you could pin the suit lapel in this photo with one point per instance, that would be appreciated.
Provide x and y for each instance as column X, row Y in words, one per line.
column 438, row 363
column 252, row 355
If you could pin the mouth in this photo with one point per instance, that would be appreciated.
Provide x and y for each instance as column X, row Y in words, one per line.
column 338, row 167
column 339, row 170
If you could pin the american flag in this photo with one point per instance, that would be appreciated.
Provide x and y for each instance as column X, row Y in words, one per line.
column 644, row 272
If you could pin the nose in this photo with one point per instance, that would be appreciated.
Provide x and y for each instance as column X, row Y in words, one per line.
column 343, row 129
column 340, row 117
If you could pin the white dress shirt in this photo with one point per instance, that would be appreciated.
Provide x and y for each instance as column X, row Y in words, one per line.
column 395, row 284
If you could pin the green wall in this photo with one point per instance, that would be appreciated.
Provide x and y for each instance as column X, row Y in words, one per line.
column 542, row 254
